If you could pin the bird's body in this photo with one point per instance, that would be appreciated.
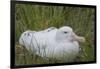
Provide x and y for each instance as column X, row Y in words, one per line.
column 52, row 43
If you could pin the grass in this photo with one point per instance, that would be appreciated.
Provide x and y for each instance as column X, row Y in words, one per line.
column 39, row 17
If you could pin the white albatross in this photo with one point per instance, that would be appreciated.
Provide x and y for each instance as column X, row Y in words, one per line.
column 52, row 42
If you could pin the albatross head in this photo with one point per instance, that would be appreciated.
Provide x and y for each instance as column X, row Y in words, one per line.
column 66, row 33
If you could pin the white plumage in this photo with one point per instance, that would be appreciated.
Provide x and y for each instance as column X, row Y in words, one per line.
column 52, row 42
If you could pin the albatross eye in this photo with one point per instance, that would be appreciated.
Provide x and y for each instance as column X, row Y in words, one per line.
column 65, row 32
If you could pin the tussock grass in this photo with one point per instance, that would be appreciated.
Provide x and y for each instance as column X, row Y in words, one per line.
column 39, row 17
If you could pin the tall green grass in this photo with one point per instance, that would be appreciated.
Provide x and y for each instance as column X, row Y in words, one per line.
column 39, row 17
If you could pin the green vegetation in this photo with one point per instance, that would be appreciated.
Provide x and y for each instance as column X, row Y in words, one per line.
column 39, row 17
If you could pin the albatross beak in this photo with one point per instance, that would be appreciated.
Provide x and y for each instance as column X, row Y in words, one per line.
column 78, row 38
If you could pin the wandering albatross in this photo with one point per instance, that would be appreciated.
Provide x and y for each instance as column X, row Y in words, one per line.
column 52, row 42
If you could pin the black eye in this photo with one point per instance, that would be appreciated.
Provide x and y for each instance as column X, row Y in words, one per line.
column 65, row 32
